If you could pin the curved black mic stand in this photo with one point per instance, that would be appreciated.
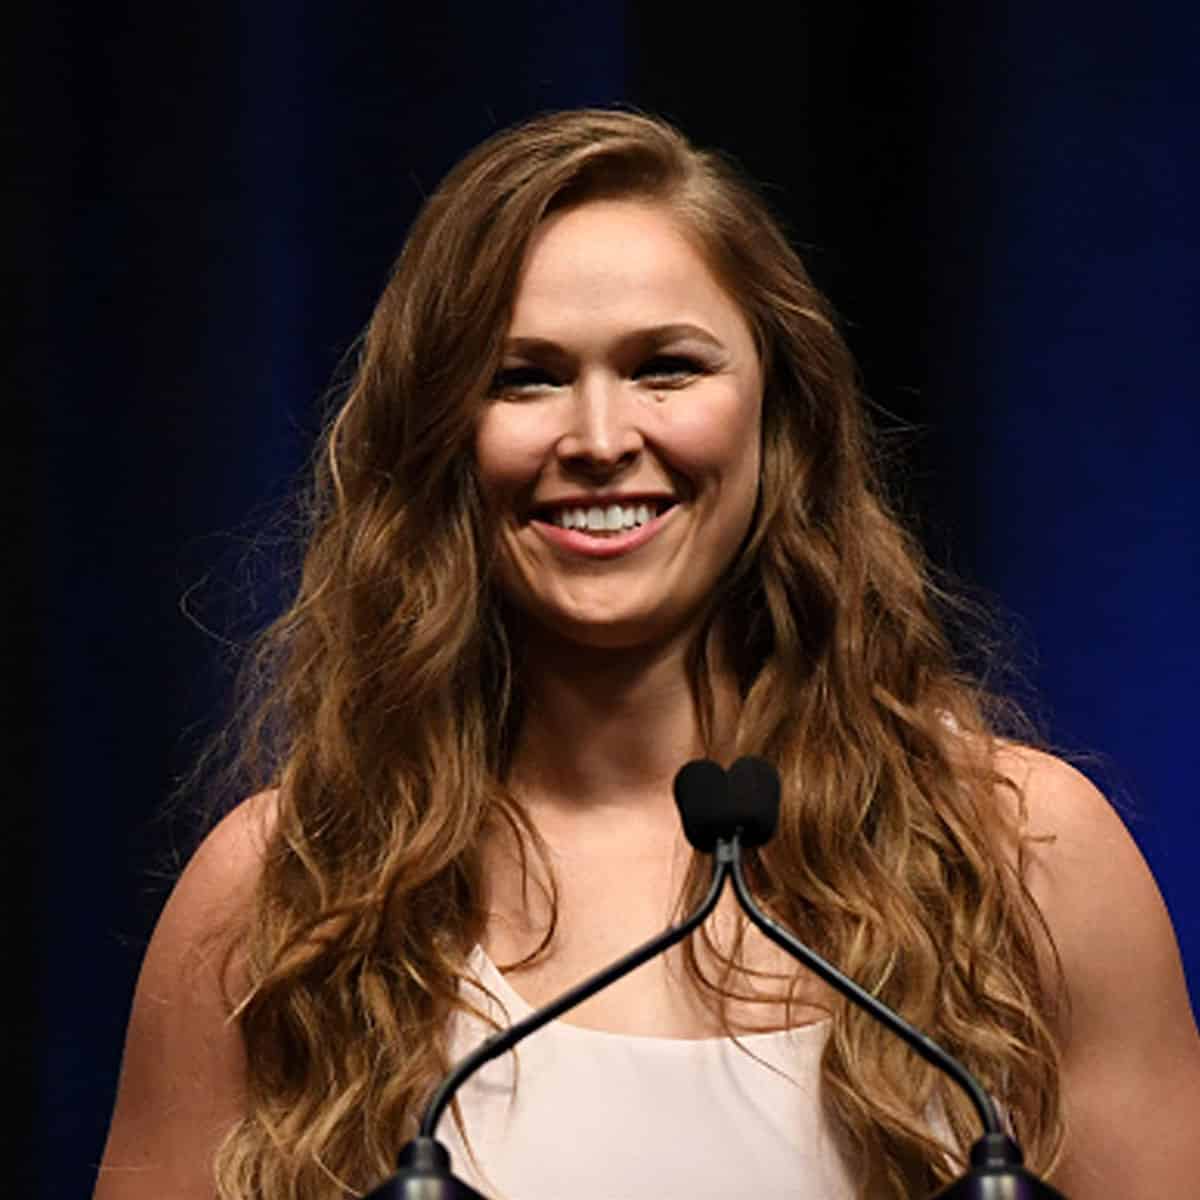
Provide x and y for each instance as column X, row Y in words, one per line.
column 424, row 1162
column 997, row 1170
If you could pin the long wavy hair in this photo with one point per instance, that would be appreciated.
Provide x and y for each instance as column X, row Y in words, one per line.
column 385, row 700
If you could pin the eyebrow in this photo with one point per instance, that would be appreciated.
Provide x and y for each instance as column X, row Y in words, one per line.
column 647, row 340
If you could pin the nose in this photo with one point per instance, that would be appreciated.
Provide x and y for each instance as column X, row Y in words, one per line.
column 602, row 435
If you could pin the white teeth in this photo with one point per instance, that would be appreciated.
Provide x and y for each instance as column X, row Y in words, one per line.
column 608, row 519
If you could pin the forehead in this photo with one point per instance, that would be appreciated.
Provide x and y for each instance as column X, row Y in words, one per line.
column 619, row 260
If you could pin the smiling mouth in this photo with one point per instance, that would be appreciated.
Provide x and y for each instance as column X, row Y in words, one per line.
column 604, row 520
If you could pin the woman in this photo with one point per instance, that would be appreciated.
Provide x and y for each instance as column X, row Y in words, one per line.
column 599, row 501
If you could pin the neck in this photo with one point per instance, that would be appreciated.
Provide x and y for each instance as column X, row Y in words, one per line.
column 607, row 729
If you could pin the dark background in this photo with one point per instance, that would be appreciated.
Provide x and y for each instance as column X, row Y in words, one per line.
column 207, row 199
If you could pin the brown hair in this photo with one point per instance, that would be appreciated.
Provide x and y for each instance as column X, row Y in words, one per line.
column 387, row 702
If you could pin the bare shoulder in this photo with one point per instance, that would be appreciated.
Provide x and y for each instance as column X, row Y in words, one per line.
column 1072, row 830
column 1088, row 877
column 1059, row 796
column 224, row 871
column 1082, row 866
column 1131, row 1055
column 182, row 1071
column 212, row 897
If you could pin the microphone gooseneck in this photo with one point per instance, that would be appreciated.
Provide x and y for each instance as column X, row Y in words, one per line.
column 754, row 787
column 997, row 1171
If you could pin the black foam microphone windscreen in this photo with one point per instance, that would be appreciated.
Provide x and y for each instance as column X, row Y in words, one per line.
column 705, row 808
column 754, row 789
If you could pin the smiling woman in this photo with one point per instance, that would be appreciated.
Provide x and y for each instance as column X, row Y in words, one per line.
column 599, row 500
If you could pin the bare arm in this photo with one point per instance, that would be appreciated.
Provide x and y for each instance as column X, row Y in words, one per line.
column 1131, row 1066
column 181, row 1086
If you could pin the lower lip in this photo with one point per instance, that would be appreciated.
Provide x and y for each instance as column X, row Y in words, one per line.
column 612, row 546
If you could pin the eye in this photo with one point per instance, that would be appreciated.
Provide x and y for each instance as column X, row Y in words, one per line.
column 522, row 380
column 670, row 370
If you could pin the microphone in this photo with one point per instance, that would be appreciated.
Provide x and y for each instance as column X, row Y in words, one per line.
column 997, row 1170
column 706, row 810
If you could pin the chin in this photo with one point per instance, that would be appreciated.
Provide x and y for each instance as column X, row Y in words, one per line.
column 626, row 632
column 608, row 615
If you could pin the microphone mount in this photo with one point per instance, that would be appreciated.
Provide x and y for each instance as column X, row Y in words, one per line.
column 721, row 814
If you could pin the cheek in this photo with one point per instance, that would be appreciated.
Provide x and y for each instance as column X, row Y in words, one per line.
column 745, row 489
column 507, row 452
column 488, row 443
column 741, row 476
column 723, row 446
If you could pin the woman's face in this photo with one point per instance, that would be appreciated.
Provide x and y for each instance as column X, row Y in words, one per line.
column 620, row 447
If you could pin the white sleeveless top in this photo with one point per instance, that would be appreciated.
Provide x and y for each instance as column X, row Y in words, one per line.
column 605, row 1116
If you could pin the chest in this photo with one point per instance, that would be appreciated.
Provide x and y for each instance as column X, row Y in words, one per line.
column 555, row 927
column 599, row 1114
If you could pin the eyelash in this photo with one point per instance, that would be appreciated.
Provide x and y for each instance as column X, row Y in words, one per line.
column 678, row 368
column 672, row 370
column 520, row 379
